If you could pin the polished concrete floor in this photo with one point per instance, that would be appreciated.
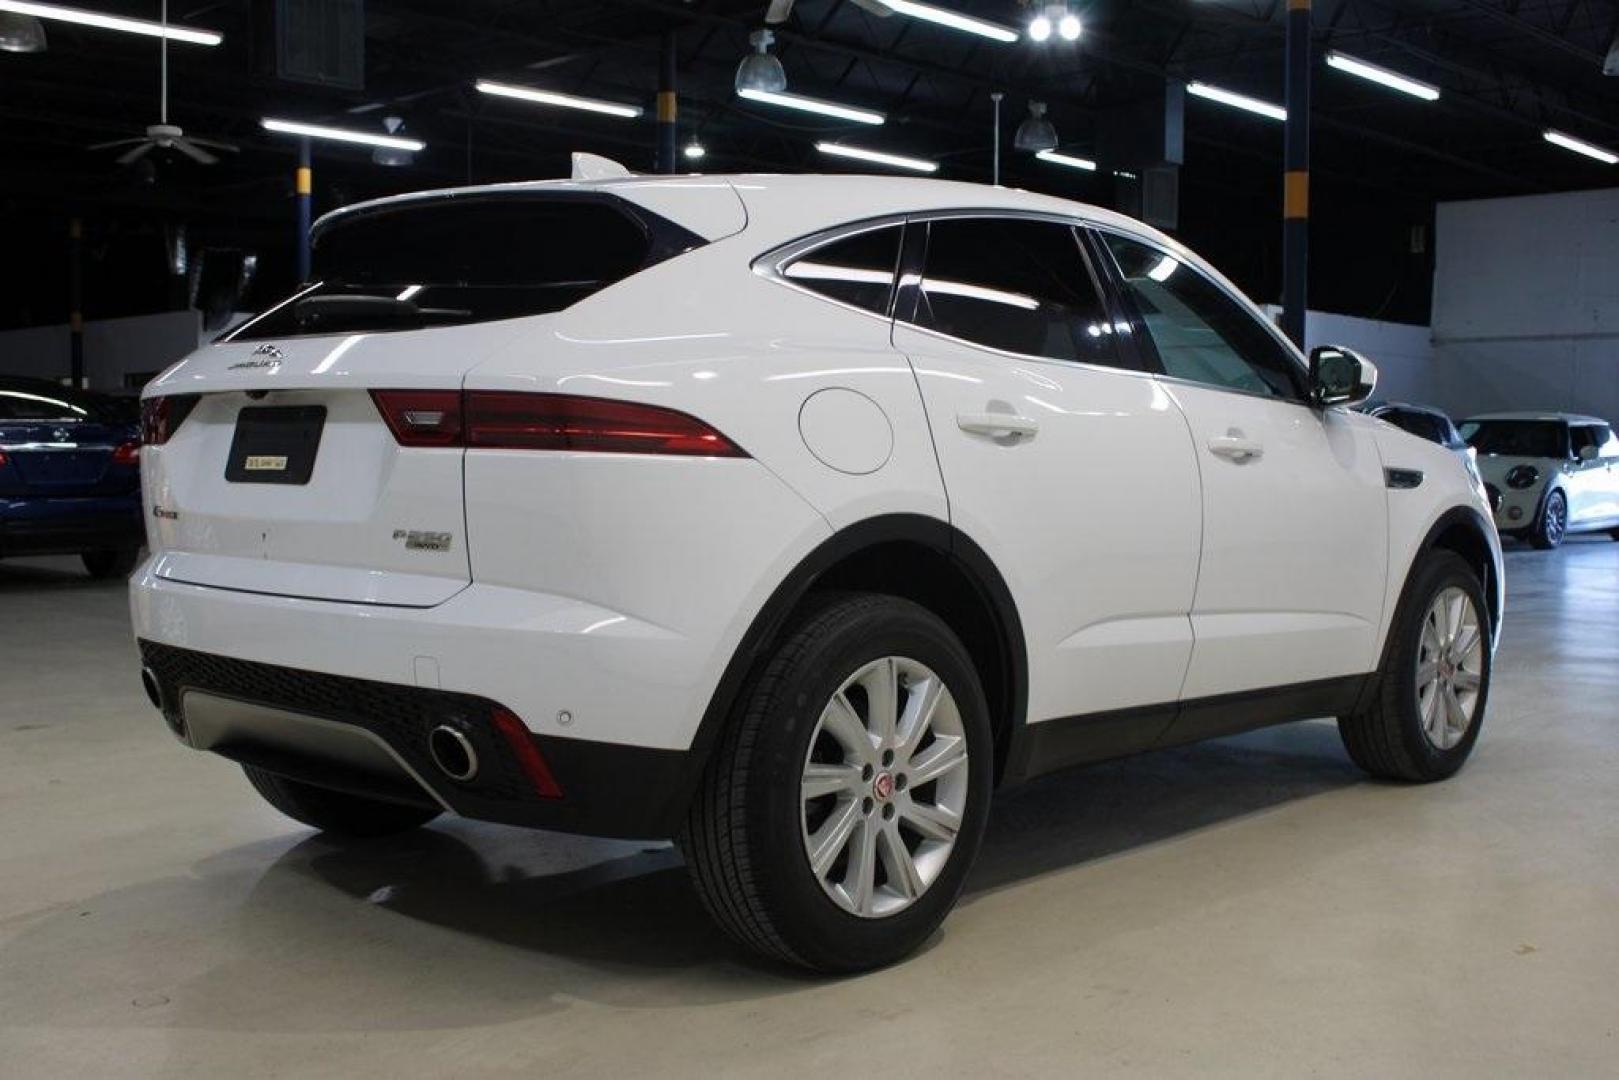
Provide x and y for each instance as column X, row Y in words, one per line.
column 1248, row 907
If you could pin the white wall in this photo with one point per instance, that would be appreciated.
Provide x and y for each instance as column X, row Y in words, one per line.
column 112, row 348
column 1526, row 303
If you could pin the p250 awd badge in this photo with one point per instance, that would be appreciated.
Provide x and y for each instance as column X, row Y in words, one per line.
column 420, row 540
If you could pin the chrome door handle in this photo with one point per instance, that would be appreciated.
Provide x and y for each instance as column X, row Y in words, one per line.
column 996, row 424
column 1236, row 447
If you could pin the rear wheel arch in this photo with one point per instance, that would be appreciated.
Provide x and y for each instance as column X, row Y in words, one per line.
column 912, row 556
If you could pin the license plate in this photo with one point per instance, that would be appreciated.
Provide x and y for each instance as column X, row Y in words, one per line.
column 275, row 444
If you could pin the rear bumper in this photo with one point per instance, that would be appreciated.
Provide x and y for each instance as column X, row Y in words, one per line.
column 44, row 525
column 606, row 789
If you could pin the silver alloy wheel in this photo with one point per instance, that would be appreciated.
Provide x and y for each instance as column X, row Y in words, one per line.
column 1450, row 668
column 1556, row 517
column 884, row 787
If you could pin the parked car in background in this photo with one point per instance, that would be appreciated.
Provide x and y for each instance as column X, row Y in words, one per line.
column 69, row 475
column 1430, row 424
column 1548, row 474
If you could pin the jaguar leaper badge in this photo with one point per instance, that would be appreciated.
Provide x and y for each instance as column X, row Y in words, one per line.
column 265, row 357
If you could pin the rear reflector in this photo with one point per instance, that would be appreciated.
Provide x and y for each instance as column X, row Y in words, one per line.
column 128, row 453
column 528, row 755
column 511, row 420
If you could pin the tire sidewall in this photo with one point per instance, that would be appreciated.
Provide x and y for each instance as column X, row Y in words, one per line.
column 1542, row 535
column 1439, row 572
column 818, row 929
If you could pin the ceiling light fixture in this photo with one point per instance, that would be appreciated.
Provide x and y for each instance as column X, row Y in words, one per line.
column 392, row 156
column 1066, row 159
column 321, row 131
column 1236, row 101
column 899, row 161
column 814, row 105
column 1580, row 146
column 1392, row 80
column 1054, row 18
column 551, row 97
column 81, row 17
column 759, row 70
column 1036, row 133
column 694, row 150
column 953, row 19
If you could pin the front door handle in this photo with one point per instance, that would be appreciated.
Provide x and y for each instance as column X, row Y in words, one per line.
column 1236, row 447
column 997, row 425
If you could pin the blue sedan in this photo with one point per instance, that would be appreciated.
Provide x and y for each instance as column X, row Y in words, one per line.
column 70, row 476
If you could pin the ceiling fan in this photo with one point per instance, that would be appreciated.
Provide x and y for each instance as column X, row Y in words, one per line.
column 164, row 135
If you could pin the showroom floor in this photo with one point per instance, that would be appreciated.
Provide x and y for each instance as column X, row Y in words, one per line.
column 1252, row 906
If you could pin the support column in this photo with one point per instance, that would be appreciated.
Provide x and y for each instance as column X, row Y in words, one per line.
column 304, row 187
column 1296, row 179
column 75, row 301
column 668, row 108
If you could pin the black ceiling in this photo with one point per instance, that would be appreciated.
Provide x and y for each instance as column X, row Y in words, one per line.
column 1379, row 159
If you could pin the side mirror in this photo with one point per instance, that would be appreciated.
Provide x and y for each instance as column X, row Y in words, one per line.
column 1340, row 376
column 1588, row 453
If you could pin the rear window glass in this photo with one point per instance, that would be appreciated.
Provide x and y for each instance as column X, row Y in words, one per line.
column 444, row 262
column 857, row 270
column 44, row 402
column 1517, row 438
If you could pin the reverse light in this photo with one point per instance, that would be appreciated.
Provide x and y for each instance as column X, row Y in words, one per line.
column 527, row 752
column 518, row 420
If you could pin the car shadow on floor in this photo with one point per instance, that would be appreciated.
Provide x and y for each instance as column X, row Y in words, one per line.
column 49, row 574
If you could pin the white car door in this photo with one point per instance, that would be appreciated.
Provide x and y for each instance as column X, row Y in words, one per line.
column 1608, row 454
column 1295, row 516
column 1589, row 480
column 1075, row 474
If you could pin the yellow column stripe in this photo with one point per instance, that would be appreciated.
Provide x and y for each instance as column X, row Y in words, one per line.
column 305, row 180
column 666, row 106
column 1296, row 194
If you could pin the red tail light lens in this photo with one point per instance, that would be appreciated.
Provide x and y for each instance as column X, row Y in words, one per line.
column 421, row 417
column 527, row 752
column 128, row 453
column 162, row 416
column 518, row 421
column 512, row 420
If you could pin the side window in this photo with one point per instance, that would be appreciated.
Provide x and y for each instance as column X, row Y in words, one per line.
column 1414, row 423
column 1608, row 448
column 1018, row 285
column 857, row 269
column 1202, row 334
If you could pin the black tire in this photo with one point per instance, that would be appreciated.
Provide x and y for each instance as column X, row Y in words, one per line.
column 336, row 811
column 1614, row 533
column 113, row 563
column 1552, row 524
column 1386, row 738
column 743, row 840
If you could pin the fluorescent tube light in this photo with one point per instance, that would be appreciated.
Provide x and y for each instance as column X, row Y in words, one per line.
column 566, row 101
column 877, row 157
column 814, row 105
column 1569, row 142
column 1066, row 159
column 189, row 35
column 320, row 131
column 1384, row 76
column 953, row 19
column 1237, row 101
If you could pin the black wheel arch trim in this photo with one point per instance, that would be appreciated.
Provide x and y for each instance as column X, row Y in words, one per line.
column 933, row 533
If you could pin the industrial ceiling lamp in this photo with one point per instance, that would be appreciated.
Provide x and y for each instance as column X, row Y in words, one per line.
column 759, row 71
column 21, row 33
column 1036, row 133
column 393, row 156
column 1055, row 18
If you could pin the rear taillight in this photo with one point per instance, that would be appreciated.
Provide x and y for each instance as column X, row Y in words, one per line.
column 162, row 416
column 128, row 453
column 513, row 420
column 421, row 417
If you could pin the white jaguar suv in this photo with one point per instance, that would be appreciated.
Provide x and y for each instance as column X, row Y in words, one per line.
column 788, row 517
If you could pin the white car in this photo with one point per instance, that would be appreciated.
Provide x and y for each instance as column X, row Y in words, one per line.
column 787, row 516
column 1549, row 474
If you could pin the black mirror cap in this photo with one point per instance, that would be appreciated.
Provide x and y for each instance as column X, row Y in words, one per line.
column 1340, row 376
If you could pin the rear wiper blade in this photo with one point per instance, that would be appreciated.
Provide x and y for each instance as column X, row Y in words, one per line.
column 313, row 311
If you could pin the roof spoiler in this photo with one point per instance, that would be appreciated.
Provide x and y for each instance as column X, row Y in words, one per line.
column 595, row 167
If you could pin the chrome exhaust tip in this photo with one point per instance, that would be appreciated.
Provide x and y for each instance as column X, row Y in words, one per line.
column 452, row 752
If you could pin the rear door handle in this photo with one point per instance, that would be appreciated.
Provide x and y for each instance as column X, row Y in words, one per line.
column 1236, row 447
column 996, row 424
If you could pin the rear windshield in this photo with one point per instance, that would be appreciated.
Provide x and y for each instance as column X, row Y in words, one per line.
column 1517, row 438
column 43, row 402
column 440, row 262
